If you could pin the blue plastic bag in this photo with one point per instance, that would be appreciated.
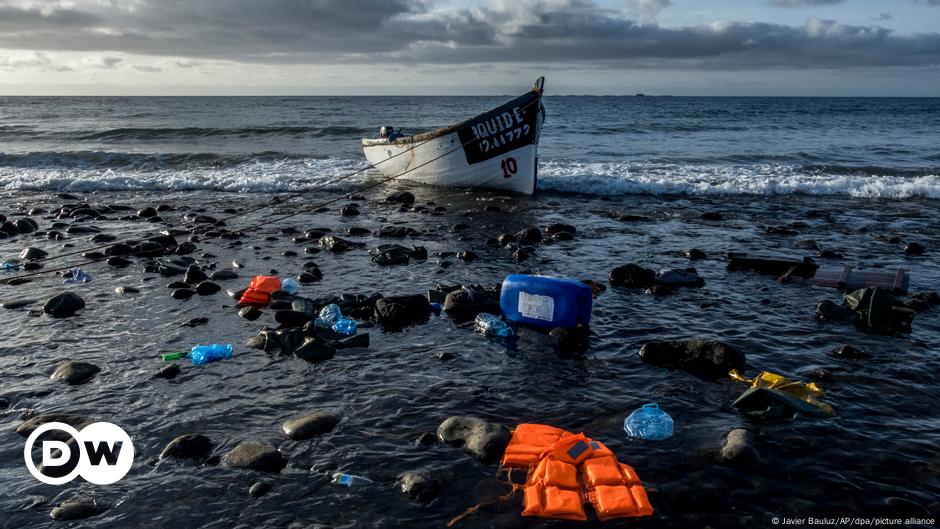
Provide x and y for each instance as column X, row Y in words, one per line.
column 649, row 422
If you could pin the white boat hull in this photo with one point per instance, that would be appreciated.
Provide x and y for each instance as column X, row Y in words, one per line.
column 452, row 170
column 496, row 150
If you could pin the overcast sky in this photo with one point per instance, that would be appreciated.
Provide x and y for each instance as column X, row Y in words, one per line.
column 681, row 47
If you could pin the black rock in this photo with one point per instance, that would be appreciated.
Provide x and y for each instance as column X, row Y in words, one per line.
column 250, row 313
column 312, row 350
column 146, row 213
column 292, row 318
column 401, row 197
column 708, row 359
column 255, row 456
column 78, row 508
column 563, row 236
column 207, row 288
column 446, row 356
column 32, row 254
column 552, row 229
column 467, row 255
column 119, row 249
column 465, row 304
column 17, row 304
column 914, row 249
column 75, row 373
column 529, row 236
column 168, row 372
column 674, row 278
column 75, row 421
column 349, row 211
column 189, row 446
column 194, row 275
column 64, row 305
column 82, row 230
column 336, row 244
column 712, row 215
column 421, row 487
column 390, row 254
column 177, row 284
column 847, row 351
column 223, row 275
column 118, row 262
column 694, row 254
column 356, row 340
column 183, row 293
column 478, row 437
column 310, row 424
column 185, row 248
column 923, row 301
column 148, row 249
column 26, row 225
column 738, row 448
column 399, row 311
column 520, row 254
column 311, row 275
column 632, row 276
column 569, row 341
column 259, row 488
column 506, row 238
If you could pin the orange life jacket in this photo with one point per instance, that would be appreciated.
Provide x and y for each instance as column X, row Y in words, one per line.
column 260, row 290
column 565, row 469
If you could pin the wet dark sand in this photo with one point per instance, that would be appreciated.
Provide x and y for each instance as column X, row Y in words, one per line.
column 877, row 457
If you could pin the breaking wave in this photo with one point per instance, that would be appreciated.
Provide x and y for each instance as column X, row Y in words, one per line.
column 268, row 172
column 618, row 178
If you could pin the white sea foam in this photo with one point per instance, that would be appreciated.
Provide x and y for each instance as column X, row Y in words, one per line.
column 254, row 177
column 615, row 178
column 598, row 178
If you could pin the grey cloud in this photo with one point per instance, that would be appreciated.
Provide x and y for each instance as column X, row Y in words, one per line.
column 647, row 10
column 414, row 32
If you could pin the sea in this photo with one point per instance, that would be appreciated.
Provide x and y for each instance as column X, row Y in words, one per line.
column 642, row 180
column 606, row 146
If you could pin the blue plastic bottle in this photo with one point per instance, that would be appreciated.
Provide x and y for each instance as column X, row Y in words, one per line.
column 649, row 422
column 349, row 480
column 290, row 285
column 329, row 315
column 345, row 326
column 10, row 266
column 545, row 302
column 76, row 276
column 493, row 326
column 203, row 354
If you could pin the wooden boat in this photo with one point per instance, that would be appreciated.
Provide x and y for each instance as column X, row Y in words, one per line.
column 494, row 150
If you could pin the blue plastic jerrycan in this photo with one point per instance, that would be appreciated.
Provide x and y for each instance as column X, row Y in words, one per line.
column 545, row 302
column 649, row 422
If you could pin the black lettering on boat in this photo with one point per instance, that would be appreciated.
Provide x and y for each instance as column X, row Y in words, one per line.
column 500, row 130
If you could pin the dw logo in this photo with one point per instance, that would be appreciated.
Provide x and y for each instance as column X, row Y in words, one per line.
column 101, row 453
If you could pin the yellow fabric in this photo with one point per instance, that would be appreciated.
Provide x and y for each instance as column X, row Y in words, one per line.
column 807, row 392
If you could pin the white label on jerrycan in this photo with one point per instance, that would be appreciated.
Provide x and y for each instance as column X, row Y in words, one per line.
column 537, row 307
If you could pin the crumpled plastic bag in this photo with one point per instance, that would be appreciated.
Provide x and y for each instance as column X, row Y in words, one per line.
column 772, row 396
